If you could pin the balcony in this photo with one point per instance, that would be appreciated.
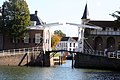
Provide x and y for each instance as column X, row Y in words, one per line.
column 105, row 32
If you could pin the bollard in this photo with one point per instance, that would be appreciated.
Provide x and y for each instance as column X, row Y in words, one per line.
column 72, row 60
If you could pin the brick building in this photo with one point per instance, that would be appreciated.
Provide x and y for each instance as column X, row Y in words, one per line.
column 107, row 38
column 37, row 35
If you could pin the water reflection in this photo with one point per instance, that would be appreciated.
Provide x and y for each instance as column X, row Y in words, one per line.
column 63, row 72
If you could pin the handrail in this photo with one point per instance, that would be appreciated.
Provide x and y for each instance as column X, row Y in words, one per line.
column 19, row 51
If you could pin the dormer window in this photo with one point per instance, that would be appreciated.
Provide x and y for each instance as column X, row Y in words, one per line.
column 33, row 23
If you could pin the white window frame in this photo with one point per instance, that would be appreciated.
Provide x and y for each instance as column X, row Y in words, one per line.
column 26, row 38
column 37, row 37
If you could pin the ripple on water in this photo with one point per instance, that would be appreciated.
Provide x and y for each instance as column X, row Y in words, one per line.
column 55, row 73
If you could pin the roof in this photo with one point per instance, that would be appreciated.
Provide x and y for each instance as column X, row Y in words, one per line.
column 37, row 27
column 76, row 38
column 102, row 23
column 34, row 17
column 65, row 38
column 85, row 14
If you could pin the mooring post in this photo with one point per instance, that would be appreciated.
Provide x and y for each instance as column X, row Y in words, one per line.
column 27, row 60
column 72, row 60
column 59, row 60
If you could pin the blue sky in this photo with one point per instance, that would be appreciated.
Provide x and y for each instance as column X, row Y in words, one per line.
column 71, row 11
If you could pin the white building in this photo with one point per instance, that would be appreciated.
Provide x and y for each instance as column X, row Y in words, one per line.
column 68, row 43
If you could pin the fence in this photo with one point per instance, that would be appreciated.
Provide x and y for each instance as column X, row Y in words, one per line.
column 115, row 55
column 20, row 51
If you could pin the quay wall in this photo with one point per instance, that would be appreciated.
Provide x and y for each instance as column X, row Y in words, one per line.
column 96, row 62
column 13, row 60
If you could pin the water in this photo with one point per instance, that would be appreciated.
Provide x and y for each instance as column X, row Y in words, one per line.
column 64, row 72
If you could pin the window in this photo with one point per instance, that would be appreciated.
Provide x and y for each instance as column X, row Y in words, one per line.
column 104, row 28
column 13, row 41
column 66, row 44
column 60, row 45
column 33, row 40
column 73, row 44
column 115, row 29
column 29, row 40
column 33, row 23
column 46, row 40
column 70, row 45
column 73, row 49
column 37, row 38
column 69, row 49
column 26, row 38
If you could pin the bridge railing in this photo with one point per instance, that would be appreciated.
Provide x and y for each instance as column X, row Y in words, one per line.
column 94, row 52
column 115, row 55
column 20, row 51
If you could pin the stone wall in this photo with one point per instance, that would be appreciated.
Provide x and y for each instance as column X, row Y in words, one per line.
column 96, row 62
column 13, row 60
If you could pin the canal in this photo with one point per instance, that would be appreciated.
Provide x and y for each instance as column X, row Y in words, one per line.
column 63, row 72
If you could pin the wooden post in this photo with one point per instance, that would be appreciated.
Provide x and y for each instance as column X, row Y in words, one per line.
column 27, row 60
column 59, row 60
column 72, row 60
column 43, row 64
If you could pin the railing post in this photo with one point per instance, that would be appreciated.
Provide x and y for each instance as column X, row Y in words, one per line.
column 89, row 51
column 19, row 51
column 93, row 52
column 108, row 54
column 37, row 49
column 3, row 53
column 14, row 51
column 113, row 54
column 32, row 50
column 24, row 50
column 8, row 51
column 100, row 54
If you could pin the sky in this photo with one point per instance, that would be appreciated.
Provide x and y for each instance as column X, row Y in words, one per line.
column 51, row 11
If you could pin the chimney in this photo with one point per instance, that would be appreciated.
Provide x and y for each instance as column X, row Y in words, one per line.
column 36, row 13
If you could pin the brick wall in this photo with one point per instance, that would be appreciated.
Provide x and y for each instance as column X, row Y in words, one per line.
column 8, row 44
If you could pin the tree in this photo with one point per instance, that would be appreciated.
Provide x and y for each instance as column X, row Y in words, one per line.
column 16, row 18
column 60, row 33
column 116, row 15
column 54, row 40
column 56, row 37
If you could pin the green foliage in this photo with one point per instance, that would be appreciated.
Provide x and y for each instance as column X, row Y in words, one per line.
column 116, row 15
column 16, row 18
column 60, row 33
